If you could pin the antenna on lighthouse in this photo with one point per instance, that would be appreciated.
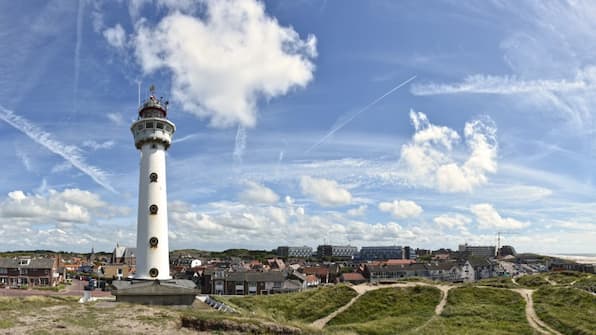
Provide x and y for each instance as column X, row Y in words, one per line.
column 152, row 89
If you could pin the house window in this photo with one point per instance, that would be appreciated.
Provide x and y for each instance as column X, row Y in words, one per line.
column 24, row 261
column 153, row 209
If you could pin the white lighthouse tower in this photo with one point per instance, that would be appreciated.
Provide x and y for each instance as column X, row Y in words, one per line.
column 153, row 135
column 152, row 283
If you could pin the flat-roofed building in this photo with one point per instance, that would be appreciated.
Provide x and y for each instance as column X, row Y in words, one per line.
column 294, row 252
column 478, row 250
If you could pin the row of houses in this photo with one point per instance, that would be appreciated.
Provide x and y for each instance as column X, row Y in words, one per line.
column 466, row 270
column 29, row 272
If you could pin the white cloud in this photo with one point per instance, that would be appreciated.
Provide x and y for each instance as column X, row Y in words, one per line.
column 358, row 211
column 488, row 218
column 326, row 192
column 257, row 193
column 70, row 205
column 224, row 63
column 428, row 159
column 401, row 209
column 267, row 227
column 452, row 220
column 116, row 36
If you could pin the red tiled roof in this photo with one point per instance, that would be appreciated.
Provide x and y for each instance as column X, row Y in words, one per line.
column 352, row 276
column 400, row 261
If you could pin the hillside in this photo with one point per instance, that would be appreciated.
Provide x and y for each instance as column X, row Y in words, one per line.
column 562, row 304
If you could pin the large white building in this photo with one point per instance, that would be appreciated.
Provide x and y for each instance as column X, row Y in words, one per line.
column 153, row 135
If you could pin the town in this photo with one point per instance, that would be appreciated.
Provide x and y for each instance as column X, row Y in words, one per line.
column 282, row 270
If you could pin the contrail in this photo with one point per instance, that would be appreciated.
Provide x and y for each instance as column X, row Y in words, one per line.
column 70, row 153
column 77, row 51
column 240, row 144
column 348, row 117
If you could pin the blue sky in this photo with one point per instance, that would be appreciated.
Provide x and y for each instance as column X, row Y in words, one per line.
column 285, row 132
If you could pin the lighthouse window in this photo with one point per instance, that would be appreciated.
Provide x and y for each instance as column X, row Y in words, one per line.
column 149, row 124
column 153, row 209
column 140, row 126
column 169, row 128
column 153, row 177
column 160, row 125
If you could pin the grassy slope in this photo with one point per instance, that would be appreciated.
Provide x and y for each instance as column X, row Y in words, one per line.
column 472, row 310
column 569, row 310
column 304, row 306
column 503, row 282
column 532, row 281
column 388, row 311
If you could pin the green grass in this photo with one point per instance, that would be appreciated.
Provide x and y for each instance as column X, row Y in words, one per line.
column 566, row 277
column 502, row 282
column 4, row 324
column 50, row 288
column 24, row 304
column 472, row 310
column 532, row 281
column 569, row 310
column 586, row 283
column 304, row 306
column 388, row 311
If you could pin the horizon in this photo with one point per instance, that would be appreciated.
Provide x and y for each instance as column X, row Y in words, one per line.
column 362, row 123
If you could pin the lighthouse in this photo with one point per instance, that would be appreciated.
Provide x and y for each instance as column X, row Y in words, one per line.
column 152, row 283
column 153, row 133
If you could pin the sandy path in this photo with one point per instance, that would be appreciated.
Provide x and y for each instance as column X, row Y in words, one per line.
column 445, row 292
column 550, row 281
column 533, row 319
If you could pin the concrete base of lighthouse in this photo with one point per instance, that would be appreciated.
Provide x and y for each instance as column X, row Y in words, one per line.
column 155, row 292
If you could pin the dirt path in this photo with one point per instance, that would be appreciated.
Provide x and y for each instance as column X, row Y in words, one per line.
column 550, row 281
column 533, row 319
column 363, row 288
column 444, row 292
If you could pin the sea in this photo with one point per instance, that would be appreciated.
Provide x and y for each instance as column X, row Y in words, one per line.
column 579, row 258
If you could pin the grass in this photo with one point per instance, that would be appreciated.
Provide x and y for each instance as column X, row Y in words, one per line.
column 502, row 282
column 532, row 281
column 569, row 310
column 388, row 311
column 473, row 310
column 50, row 288
column 566, row 277
column 24, row 304
column 4, row 324
column 306, row 306
column 586, row 284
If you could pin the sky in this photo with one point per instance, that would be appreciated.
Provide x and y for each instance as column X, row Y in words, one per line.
column 428, row 124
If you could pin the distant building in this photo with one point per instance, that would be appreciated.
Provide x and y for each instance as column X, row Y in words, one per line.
column 381, row 253
column 294, row 252
column 344, row 251
column 124, row 255
column 375, row 253
column 480, row 251
column 29, row 272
